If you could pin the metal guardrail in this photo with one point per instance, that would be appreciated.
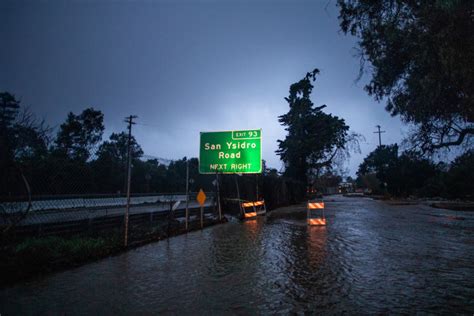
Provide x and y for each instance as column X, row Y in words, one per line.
column 94, row 202
column 101, row 223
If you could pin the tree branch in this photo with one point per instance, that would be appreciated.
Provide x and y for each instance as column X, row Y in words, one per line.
column 458, row 141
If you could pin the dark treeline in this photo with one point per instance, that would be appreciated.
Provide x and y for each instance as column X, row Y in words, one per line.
column 385, row 171
column 75, row 160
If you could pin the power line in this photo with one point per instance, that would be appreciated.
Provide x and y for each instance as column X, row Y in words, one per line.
column 149, row 125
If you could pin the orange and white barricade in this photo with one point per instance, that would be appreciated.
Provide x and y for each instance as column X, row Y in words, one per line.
column 316, row 213
column 252, row 209
column 260, row 207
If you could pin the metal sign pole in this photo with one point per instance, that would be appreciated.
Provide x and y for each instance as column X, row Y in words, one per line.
column 202, row 220
column 256, row 177
column 201, row 198
column 218, row 197
column 238, row 193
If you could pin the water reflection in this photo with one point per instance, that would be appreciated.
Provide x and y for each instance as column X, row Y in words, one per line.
column 316, row 243
column 252, row 227
column 369, row 259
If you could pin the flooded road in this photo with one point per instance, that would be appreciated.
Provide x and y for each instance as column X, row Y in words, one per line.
column 370, row 258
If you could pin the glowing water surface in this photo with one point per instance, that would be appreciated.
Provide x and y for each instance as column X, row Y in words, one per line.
column 370, row 258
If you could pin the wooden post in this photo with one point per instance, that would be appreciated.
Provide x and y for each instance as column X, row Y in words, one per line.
column 129, row 176
column 187, row 194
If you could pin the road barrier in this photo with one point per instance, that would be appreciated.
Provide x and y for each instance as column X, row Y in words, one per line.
column 313, row 218
column 257, row 208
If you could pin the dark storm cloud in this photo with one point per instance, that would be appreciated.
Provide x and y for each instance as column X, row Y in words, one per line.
column 184, row 67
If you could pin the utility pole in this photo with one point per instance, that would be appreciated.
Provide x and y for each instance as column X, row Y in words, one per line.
column 187, row 193
column 379, row 132
column 130, row 122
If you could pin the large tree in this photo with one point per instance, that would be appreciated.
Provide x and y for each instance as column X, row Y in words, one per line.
column 110, row 167
column 9, row 106
column 459, row 177
column 79, row 134
column 421, row 56
column 314, row 137
column 382, row 162
column 23, row 149
column 401, row 175
column 23, row 144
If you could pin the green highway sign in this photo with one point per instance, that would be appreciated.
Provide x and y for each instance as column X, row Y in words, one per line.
column 231, row 152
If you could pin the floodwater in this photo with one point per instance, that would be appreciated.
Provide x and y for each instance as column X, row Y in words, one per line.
column 370, row 258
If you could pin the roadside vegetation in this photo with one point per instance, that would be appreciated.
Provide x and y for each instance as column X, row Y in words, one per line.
column 40, row 255
column 385, row 171
column 419, row 60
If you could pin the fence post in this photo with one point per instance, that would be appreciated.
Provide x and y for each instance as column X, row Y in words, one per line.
column 89, row 224
column 40, row 229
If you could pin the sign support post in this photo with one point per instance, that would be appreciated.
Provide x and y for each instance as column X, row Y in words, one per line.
column 202, row 215
column 238, row 193
column 218, row 197
column 256, row 187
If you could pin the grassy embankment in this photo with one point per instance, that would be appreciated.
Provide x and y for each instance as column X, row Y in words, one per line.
column 37, row 256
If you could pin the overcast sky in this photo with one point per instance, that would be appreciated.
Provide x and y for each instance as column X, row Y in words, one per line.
column 184, row 67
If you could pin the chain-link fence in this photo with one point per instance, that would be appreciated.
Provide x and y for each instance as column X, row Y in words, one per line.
column 65, row 193
column 66, row 196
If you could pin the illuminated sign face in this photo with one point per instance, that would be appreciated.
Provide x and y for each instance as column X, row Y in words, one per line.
column 231, row 152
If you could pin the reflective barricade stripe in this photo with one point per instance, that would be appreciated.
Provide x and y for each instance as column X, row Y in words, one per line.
column 250, row 204
column 317, row 221
column 250, row 214
column 315, row 205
